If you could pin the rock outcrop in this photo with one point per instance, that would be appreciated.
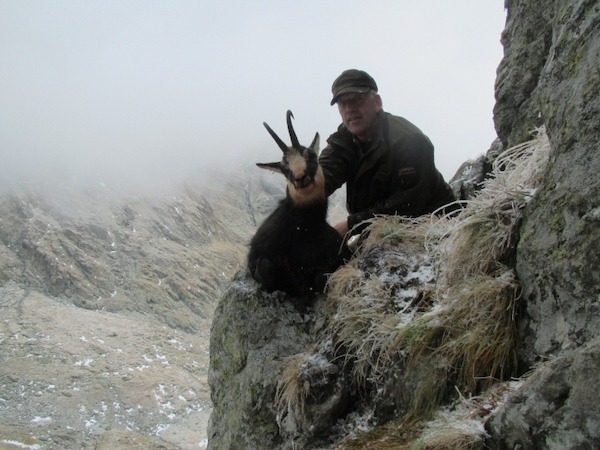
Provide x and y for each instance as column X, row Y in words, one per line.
column 558, row 254
column 557, row 407
column 551, row 75
column 252, row 336
column 545, row 270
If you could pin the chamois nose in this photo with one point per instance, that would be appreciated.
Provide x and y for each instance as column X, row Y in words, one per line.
column 302, row 181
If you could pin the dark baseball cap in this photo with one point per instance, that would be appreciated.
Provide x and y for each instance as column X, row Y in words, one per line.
column 352, row 81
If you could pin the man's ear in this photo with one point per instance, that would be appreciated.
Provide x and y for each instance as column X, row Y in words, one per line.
column 378, row 102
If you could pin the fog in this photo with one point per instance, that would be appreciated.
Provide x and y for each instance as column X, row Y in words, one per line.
column 140, row 93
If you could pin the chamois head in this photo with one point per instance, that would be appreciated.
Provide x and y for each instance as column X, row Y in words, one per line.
column 300, row 165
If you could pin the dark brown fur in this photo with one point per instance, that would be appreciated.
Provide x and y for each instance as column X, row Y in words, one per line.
column 295, row 248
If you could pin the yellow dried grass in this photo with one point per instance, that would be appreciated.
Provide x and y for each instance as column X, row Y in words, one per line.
column 472, row 327
column 291, row 392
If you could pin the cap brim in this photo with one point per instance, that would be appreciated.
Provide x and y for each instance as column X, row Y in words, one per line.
column 349, row 90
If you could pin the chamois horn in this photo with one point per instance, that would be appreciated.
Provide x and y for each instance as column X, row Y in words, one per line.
column 293, row 136
column 281, row 144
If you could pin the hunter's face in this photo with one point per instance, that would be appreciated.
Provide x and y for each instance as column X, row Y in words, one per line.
column 359, row 113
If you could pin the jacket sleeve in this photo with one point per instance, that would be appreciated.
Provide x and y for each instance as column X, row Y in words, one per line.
column 411, row 183
column 337, row 167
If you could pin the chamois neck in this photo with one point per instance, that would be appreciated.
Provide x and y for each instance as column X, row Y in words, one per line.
column 306, row 212
column 304, row 201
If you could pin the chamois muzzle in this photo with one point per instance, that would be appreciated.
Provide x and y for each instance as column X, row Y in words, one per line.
column 302, row 182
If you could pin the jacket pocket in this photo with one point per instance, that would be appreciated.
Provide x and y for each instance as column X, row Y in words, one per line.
column 407, row 176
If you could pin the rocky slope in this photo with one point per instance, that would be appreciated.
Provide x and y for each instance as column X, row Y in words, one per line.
column 404, row 356
column 106, row 301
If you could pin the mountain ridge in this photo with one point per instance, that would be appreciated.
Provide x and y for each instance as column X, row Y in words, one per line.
column 107, row 299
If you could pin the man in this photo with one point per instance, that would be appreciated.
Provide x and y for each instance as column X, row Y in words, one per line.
column 386, row 162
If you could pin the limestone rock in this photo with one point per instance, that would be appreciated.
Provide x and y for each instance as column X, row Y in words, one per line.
column 252, row 337
column 551, row 75
column 559, row 251
column 556, row 408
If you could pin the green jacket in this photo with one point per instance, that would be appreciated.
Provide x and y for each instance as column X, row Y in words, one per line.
column 395, row 174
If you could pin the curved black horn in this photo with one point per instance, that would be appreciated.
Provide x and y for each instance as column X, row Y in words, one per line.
column 293, row 136
column 281, row 144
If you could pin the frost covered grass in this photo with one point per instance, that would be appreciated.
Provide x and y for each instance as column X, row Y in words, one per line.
column 470, row 332
column 482, row 238
column 459, row 425
column 439, row 289
column 291, row 391
column 378, row 293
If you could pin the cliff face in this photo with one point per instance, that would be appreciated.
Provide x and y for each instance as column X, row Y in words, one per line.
column 333, row 372
column 558, row 252
column 551, row 75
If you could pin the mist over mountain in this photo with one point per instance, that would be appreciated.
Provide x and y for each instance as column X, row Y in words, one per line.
column 107, row 296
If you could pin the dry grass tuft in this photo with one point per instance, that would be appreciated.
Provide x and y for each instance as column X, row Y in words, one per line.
column 482, row 239
column 458, row 426
column 397, row 230
column 473, row 333
column 460, row 313
column 465, row 436
column 479, row 328
column 291, row 390
column 365, row 303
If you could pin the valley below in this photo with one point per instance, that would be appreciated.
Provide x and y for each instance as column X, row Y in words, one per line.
column 106, row 304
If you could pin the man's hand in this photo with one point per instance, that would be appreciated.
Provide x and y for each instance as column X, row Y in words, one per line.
column 342, row 227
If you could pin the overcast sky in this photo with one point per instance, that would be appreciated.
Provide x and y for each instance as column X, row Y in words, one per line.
column 147, row 89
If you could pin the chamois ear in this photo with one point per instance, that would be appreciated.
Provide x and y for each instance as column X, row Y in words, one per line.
column 314, row 146
column 273, row 167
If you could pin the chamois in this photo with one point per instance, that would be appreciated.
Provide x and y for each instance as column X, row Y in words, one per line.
column 295, row 248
